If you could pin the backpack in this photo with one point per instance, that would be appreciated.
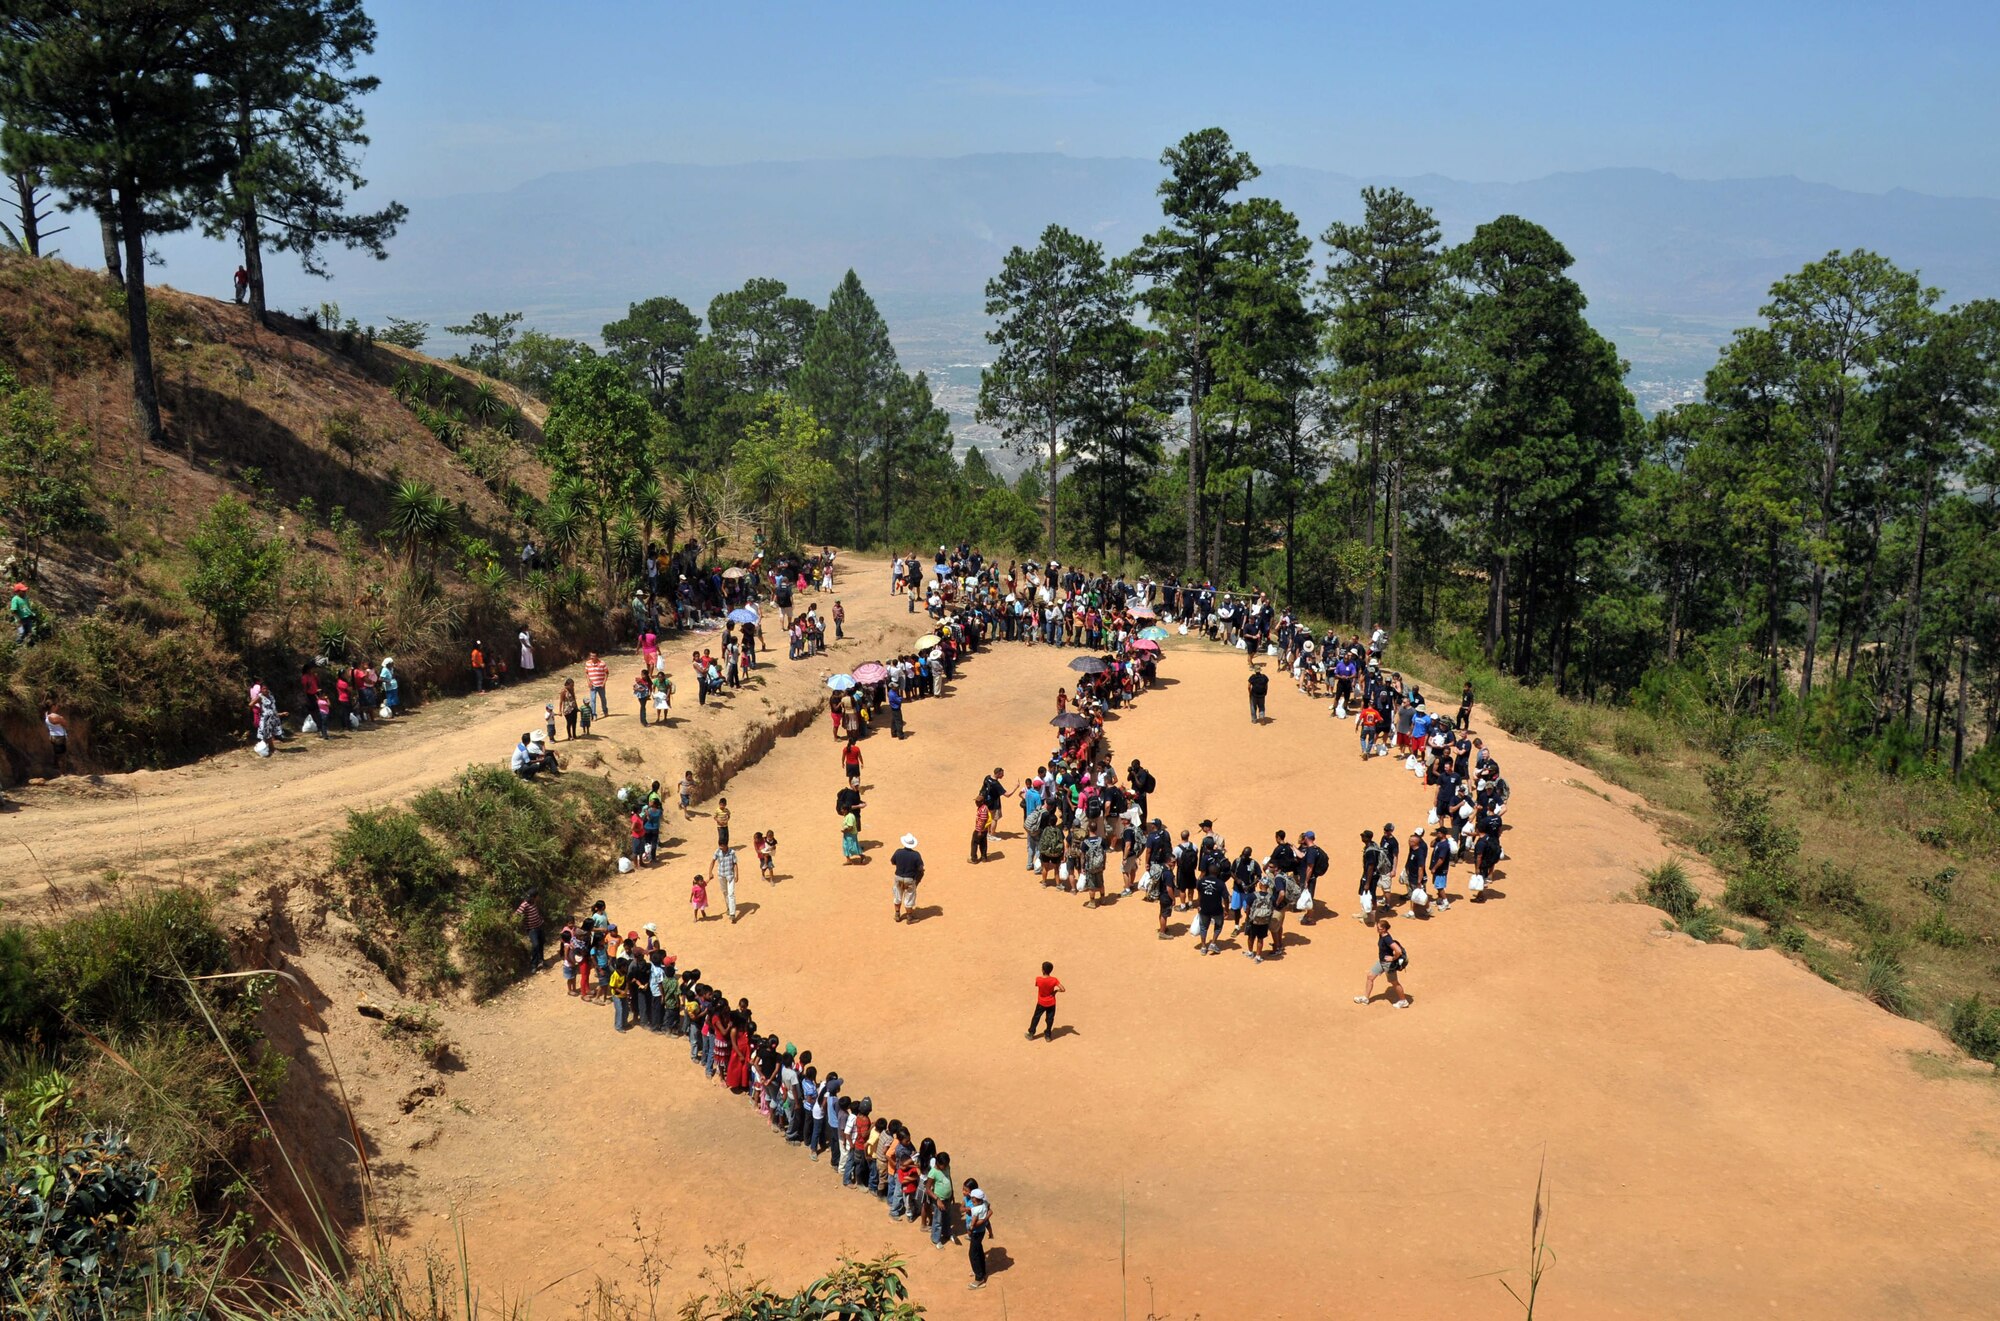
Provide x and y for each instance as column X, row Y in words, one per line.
column 1371, row 860
column 1501, row 790
column 1147, row 784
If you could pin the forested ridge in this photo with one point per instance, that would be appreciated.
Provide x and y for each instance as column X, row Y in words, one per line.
column 1382, row 429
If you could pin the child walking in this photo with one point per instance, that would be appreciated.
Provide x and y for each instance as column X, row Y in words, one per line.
column 698, row 896
column 765, row 845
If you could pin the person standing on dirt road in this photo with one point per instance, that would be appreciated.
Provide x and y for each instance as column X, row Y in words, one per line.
column 478, row 663
column 596, row 673
column 1260, row 687
column 1390, row 959
column 1047, row 988
column 532, row 922
column 978, row 1224
column 908, row 865
column 722, row 866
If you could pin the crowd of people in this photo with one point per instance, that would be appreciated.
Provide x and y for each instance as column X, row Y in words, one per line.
column 811, row 1108
column 1084, row 824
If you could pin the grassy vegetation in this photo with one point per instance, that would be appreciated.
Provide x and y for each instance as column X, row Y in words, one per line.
column 432, row 889
column 119, row 1082
column 1886, row 882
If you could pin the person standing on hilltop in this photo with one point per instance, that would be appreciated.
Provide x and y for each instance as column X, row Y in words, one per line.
column 242, row 282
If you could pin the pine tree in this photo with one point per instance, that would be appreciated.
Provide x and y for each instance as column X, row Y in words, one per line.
column 845, row 377
column 1181, row 263
column 1050, row 306
column 1384, row 287
column 111, row 99
column 288, row 124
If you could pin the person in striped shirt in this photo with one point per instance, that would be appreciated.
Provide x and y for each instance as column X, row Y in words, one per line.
column 530, row 914
column 598, row 673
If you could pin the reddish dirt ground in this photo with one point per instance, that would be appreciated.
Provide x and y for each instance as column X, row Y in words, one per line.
column 1724, row 1133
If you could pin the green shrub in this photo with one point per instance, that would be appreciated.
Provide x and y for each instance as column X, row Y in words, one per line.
column 490, row 945
column 1937, row 929
column 1536, row 714
column 1975, row 1029
column 388, row 852
column 1760, row 894
column 147, row 692
column 1668, row 889
column 1748, row 819
column 1703, row 924
column 1837, row 889
column 115, row 969
column 1883, row 980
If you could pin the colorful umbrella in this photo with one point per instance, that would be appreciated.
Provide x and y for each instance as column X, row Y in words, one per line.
column 1144, row 644
column 872, row 672
column 743, row 614
column 927, row 640
column 738, row 571
column 840, row 683
column 1153, row 634
column 1142, row 611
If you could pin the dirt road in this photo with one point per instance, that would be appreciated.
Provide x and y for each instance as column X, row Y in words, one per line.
column 1724, row 1133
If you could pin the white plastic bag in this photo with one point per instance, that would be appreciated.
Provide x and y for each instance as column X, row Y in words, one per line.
column 1433, row 818
column 1062, row 870
column 263, row 748
column 1305, row 903
column 1412, row 764
column 624, row 864
column 1340, row 710
column 311, row 726
column 1270, row 651
column 1420, row 897
column 385, row 712
column 1476, row 884
column 1240, row 645
column 1183, row 630
column 1367, row 901
column 354, row 720
column 1082, row 882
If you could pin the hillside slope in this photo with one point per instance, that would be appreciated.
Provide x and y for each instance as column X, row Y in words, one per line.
column 315, row 429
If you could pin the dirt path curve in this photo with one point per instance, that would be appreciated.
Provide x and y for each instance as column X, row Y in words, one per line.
column 1725, row 1133
column 238, row 812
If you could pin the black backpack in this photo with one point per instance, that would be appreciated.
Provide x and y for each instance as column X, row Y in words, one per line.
column 1146, row 781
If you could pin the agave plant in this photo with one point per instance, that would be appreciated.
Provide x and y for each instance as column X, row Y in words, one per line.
column 421, row 518
column 406, row 385
column 561, row 524
column 486, row 405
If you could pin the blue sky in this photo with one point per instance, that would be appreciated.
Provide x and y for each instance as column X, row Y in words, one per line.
column 481, row 96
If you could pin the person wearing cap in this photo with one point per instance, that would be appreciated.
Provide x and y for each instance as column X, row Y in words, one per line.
column 1313, row 864
column 978, row 1225
column 23, row 612
column 908, row 865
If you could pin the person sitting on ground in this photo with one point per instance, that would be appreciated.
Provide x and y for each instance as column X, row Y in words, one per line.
column 531, row 758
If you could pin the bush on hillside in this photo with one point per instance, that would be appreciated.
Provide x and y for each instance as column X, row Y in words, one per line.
column 433, row 913
column 1975, row 1028
column 388, row 852
column 1668, row 889
column 151, row 696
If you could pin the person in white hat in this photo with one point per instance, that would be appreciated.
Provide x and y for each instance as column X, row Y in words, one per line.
column 908, row 865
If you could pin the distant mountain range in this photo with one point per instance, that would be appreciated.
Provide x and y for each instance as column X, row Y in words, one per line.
column 1670, row 265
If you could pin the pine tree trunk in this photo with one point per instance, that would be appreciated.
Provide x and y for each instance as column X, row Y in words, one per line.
column 1958, row 725
column 1368, row 528
column 1049, row 495
column 107, row 224
column 1395, row 546
column 31, row 227
column 145, row 393
column 1249, row 513
column 253, row 265
column 1914, row 616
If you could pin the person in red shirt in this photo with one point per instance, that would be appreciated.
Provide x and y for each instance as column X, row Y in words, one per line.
column 1047, row 988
